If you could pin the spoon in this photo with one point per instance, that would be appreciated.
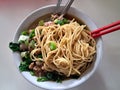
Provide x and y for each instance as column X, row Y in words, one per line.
column 57, row 7
column 65, row 9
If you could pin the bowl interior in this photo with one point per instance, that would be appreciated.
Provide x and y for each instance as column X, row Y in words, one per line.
column 67, row 83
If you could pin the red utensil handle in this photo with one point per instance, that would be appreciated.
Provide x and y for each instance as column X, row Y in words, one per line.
column 106, row 29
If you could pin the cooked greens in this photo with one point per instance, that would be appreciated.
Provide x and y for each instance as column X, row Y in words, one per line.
column 24, row 33
column 24, row 65
column 51, row 76
column 14, row 46
column 32, row 33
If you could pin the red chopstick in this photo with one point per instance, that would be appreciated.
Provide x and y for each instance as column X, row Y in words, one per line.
column 106, row 29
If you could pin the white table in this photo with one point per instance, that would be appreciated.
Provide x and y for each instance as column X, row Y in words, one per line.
column 103, row 12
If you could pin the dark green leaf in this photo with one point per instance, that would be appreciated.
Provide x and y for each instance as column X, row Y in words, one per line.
column 14, row 46
column 27, row 58
column 24, row 66
column 53, row 76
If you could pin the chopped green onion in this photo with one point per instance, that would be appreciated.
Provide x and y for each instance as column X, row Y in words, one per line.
column 24, row 33
column 42, row 79
column 41, row 22
column 53, row 45
column 60, row 22
column 32, row 34
column 65, row 20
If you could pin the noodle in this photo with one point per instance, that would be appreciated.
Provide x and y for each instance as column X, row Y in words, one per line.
column 75, row 48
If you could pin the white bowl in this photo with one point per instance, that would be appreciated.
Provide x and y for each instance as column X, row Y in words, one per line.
column 66, row 84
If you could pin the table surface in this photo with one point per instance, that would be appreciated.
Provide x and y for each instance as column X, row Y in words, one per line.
column 102, row 12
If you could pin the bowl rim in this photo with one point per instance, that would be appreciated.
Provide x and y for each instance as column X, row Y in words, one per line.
column 24, row 74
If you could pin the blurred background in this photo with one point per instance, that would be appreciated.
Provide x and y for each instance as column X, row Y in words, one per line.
column 102, row 13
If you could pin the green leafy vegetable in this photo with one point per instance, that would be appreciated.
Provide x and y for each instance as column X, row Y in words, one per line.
column 50, row 76
column 24, row 66
column 32, row 34
column 24, row 33
column 54, row 76
column 53, row 45
column 14, row 46
column 42, row 79
column 27, row 58
column 41, row 22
